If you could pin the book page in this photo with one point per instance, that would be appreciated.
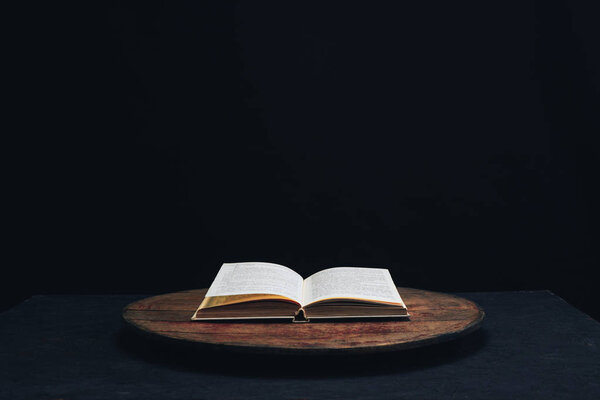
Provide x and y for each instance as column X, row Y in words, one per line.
column 256, row 278
column 351, row 282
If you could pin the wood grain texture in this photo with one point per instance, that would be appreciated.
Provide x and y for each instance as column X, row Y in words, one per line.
column 434, row 317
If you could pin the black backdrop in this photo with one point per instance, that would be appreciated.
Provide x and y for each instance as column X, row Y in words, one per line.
column 456, row 144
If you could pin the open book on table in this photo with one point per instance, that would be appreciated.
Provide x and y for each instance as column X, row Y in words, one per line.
column 257, row 290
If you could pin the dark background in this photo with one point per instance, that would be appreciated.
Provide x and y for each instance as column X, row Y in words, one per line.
column 455, row 144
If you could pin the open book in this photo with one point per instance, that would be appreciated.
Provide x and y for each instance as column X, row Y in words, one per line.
column 257, row 290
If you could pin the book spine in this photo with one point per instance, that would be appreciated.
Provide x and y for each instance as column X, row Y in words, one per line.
column 300, row 316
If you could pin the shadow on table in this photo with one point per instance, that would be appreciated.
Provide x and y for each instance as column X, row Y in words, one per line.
column 183, row 356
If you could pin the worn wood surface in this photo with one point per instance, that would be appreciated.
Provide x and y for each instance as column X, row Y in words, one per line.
column 435, row 317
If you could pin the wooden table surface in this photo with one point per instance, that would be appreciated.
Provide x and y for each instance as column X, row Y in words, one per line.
column 532, row 345
column 434, row 317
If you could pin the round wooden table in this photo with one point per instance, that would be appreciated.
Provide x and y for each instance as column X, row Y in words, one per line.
column 434, row 318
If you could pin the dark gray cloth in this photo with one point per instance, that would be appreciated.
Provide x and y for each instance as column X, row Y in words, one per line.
column 531, row 345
